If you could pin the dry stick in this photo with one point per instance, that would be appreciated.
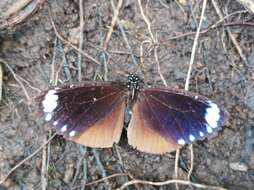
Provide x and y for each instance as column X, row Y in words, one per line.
column 108, row 177
column 121, row 163
column 78, row 166
column 47, row 148
column 84, row 150
column 18, row 80
column 154, row 41
column 68, row 42
column 113, row 22
column 27, row 158
column 248, row 4
column 106, row 42
column 28, row 84
column 103, row 57
column 125, row 37
column 193, row 52
column 247, row 24
column 146, row 21
column 158, row 66
column 102, row 179
column 232, row 37
column 192, row 161
column 176, row 166
column 81, row 38
column 53, row 78
column 103, row 172
column 17, row 14
column 16, row 7
column 1, row 81
column 194, row 47
column 214, row 26
column 169, row 182
column 44, row 166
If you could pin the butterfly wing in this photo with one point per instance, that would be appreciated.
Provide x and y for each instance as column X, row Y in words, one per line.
column 89, row 113
column 164, row 119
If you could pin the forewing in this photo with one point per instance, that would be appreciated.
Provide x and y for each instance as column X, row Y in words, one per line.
column 89, row 113
column 172, row 118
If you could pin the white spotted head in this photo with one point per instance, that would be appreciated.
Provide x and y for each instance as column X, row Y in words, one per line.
column 212, row 115
column 50, row 101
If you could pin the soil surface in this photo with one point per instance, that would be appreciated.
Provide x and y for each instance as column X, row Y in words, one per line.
column 33, row 57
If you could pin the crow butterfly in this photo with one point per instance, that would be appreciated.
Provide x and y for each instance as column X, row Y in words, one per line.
column 163, row 119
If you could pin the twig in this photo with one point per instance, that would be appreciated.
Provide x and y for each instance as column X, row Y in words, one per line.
column 103, row 54
column 106, row 178
column 169, row 182
column 28, row 84
column 27, row 158
column 248, row 4
column 192, row 161
column 16, row 7
column 121, row 163
column 44, row 166
column 1, row 81
column 146, row 21
column 103, row 172
column 18, row 81
column 53, row 78
column 81, row 38
column 84, row 150
column 176, row 166
column 217, row 24
column 102, row 179
column 113, row 22
column 193, row 52
column 158, row 65
column 232, row 37
column 68, row 42
column 17, row 14
column 78, row 166
column 125, row 37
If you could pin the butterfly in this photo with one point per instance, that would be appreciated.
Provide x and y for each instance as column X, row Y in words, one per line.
column 162, row 119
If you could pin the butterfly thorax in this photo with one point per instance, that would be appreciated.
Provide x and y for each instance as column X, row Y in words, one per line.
column 133, row 84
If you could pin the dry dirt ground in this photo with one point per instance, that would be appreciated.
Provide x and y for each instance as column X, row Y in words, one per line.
column 33, row 55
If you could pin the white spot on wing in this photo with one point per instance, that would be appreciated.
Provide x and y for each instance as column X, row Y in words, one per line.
column 209, row 129
column 64, row 128
column 181, row 142
column 50, row 101
column 201, row 133
column 48, row 117
column 196, row 97
column 72, row 133
column 212, row 115
column 192, row 138
column 55, row 123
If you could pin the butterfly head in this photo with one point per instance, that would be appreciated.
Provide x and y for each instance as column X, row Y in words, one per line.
column 133, row 82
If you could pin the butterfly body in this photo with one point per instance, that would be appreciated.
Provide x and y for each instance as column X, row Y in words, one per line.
column 163, row 119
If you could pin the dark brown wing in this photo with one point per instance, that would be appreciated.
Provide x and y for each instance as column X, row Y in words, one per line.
column 89, row 113
column 165, row 119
